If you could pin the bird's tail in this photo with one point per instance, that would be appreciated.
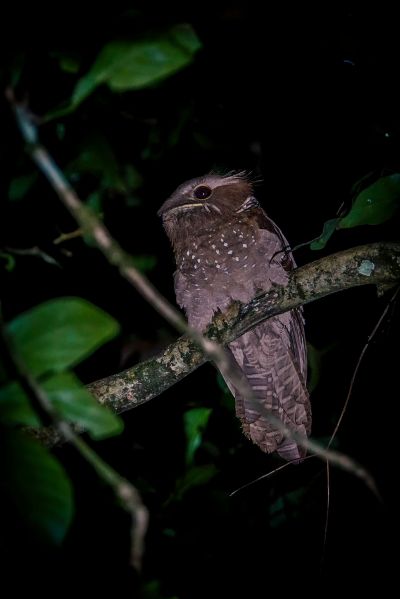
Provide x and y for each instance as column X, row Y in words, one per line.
column 266, row 361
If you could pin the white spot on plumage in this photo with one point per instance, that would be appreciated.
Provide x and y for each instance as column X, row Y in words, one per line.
column 230, row 252
column 225, row 244
column 198, row 259
column 237, row 259
column 217, row 251
column 213, row 246
column 218, row 266
column 188, row 253
column 245, row 245
column 193, row 256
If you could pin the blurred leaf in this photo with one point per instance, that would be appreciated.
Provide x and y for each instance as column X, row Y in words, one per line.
column 60, row 333
column 135, row 64
column 152, row 590
column 20, row 186
column 3, row 373
column 375, row 204
column 195, row 421
column 15, row 407
column 60, row 131
column 327, row 232
column 98, row 158
column 9, row 259
column 74, row 403
column 286, row 507
column 95, row 202
column 132, row 177
column 69, row 64
column 194, row 477
column 37, row 485
column 145, row 262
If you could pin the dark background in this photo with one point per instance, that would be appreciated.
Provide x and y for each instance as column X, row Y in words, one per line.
column 308, row 100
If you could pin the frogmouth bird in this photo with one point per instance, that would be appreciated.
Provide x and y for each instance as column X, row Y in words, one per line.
column 227, row 249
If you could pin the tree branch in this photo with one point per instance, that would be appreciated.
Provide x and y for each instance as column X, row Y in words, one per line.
column 334, row 273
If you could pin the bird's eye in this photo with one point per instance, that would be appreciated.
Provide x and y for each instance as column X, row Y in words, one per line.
column 202, row 192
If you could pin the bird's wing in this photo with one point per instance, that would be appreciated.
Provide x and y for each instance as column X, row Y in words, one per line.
column 265, row 357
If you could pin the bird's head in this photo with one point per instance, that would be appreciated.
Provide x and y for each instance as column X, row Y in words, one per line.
column 196, row 205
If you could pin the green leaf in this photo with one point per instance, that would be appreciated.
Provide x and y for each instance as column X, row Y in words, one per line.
column 133, row 179
column 15, row 407
column 74, row 403
column 196, row 476
column 144, row 263
column 135, row 64
column 37, row 485
column 195, row 421
column 97, row 158
column 9, row 260
column 375, row 204
column 20, row 186
column 327, row 232
column 60, row 333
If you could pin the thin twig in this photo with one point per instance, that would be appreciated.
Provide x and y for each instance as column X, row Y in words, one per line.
column 360, row 359
column 268, row 475
column 123, row 489
column 63, row 237
column 35, row 252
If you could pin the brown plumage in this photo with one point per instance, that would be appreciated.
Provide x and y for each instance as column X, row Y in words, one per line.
column 226, row 248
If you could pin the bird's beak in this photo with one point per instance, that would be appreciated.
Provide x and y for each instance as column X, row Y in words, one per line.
column 171, row 207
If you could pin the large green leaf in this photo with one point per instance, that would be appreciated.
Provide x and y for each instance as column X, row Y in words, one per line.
column 60, row 333
column 74, row 403
column 375, row 204
column 37, row 485
column 135, row 64
column 15, row 407
column 195, row 422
